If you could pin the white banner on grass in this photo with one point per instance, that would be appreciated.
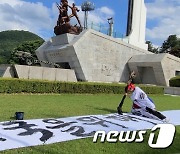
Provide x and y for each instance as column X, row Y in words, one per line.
column 24, row 133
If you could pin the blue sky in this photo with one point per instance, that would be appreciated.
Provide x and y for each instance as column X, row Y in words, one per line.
column 39, row 16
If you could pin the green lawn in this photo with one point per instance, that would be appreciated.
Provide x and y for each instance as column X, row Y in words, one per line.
column 65, row 105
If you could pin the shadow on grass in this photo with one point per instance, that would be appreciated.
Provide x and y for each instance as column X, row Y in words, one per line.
column 104, row 109
column 12, row 118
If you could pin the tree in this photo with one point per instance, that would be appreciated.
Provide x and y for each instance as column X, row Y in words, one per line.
column 28, row 48
column 151, row 48
column 171, row 46
column 175, row 51
column 10, row 40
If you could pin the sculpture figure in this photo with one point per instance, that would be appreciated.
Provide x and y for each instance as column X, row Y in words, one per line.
column 74, row 13
column 63, row 23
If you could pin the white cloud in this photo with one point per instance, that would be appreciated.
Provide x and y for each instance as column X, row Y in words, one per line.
column 166, row 14
column 21, row 15
column 106, row 11
column 12, row 2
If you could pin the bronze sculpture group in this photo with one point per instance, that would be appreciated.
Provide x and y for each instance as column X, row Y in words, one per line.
column 63, row 23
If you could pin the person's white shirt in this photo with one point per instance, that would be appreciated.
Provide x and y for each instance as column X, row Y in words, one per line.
column 140, row 98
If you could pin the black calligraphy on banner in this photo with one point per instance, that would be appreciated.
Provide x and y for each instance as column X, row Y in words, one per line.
column 129, row 118
column 60, row 124
column 74, row 127
column 2, row 139
column 79, row 130
column 93, row 120
column 46, row 134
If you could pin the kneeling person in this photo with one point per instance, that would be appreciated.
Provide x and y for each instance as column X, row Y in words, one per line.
column 142, row 104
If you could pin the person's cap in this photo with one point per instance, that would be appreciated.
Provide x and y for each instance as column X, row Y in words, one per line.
column 131, row 87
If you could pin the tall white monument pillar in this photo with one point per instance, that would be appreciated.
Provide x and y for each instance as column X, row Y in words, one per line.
column 136, row 26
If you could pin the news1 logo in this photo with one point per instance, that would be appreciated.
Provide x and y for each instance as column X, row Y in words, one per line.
column 164, row 139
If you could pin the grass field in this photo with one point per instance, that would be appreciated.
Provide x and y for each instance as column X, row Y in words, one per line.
column 65, row 105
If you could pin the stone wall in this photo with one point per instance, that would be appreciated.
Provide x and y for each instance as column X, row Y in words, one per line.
column 40, row 73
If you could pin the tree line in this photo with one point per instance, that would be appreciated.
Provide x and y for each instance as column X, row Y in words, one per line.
column 171, row 45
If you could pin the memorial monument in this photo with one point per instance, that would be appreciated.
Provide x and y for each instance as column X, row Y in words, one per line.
column 95, row 57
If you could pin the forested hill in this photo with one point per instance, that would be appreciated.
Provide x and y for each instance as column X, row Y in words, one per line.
column 11, row 39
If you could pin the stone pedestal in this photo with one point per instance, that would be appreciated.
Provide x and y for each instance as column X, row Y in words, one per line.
column 93, row 55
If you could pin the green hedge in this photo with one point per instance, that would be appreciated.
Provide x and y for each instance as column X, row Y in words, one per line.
column 39, row 86
column 175, row 82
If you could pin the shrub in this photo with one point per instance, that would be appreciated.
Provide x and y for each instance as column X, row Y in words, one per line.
column 175, row 82
column 39, row 86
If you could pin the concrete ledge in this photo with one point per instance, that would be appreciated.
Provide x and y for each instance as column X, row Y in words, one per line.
column 44, row 73
column 172, row 90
